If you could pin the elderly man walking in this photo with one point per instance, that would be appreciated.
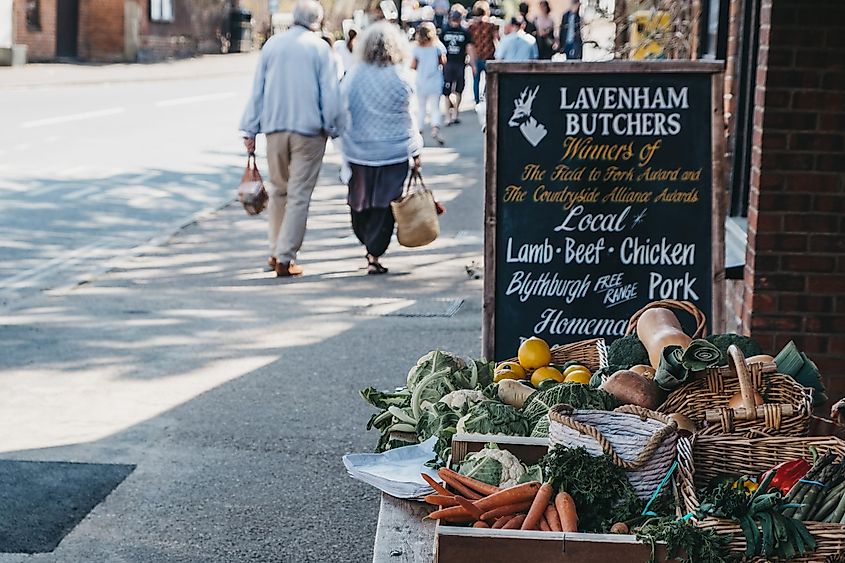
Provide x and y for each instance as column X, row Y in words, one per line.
column 296, row 103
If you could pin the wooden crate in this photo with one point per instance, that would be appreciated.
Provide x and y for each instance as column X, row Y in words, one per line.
column 455, row 544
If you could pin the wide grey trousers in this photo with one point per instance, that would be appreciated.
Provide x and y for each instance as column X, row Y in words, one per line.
column 294, row 161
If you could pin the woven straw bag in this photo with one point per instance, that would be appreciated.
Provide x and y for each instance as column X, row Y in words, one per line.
column 705, row 400
column 703, row 457
column 416, row 214
column 640, row 441
column 590, row 353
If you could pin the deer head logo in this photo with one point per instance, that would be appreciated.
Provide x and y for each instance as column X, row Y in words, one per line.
column 531, row 129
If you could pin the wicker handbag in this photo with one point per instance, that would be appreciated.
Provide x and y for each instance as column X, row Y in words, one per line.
column 704, row 457
column 590, row 353
column 705, row 401
column 416, row 214
column 640, row 441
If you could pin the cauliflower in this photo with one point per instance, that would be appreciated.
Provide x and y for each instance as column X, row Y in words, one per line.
column 457, row 399
column 493, row 466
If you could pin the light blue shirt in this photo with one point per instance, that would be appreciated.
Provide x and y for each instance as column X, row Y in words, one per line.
column 296, row 87
column 517, row 46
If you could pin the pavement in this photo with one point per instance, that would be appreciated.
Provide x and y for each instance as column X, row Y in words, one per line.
column 232, row 393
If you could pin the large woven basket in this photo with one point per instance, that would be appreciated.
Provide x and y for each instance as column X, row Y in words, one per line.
column 714, row 389
column 640, row 441
column 703, row 457
column 591, row 353
column 685, row 306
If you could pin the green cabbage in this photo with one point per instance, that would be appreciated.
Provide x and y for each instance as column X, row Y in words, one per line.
column 576, row 394
column 493, row 417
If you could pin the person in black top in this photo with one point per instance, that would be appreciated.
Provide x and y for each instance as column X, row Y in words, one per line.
column 570, row 40
column 458, row 43
column 529, row 28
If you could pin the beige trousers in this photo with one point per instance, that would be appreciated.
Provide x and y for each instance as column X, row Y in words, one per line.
column 294, row 161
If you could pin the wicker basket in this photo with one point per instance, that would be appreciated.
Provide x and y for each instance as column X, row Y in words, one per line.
column 686, row 306
column 713, row 391
column 703, row 457
column 590, row 353
column 640, row 441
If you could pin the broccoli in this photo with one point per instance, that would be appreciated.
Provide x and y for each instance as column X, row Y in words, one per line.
column 627, row 351
column 747, row 345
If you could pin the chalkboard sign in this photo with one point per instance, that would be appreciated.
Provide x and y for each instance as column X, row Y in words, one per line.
column 603, row 194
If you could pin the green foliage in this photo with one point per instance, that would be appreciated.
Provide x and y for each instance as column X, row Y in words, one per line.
column 575, row 394
column 626, row 352
column 493, row 417
column 601, row 490
column 681, row 536
column 439, row 420
column 606, row 371
column 384, row 399
column 747, row 345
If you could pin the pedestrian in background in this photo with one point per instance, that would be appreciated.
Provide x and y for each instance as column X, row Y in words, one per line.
column 528, row 26
column 428, row 59
column 484, row 36
column 458, row 42
column 570, row 32
column 516, row 45
column 296, row 103
column 381, row 139
column 345, row 51
column 441, row 14
column 545, row 31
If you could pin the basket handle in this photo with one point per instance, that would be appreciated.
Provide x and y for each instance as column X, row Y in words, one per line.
column 736, row 361
column 686, row 306
column 563, row 415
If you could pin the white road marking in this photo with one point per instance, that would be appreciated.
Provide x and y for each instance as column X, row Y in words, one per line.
column 193, row 99
column 72, row 117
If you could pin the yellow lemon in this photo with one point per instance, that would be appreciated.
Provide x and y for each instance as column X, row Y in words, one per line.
column 574, row 368
column 534, row 353
column 579, row 376
column 508, row 370
column 542, row 374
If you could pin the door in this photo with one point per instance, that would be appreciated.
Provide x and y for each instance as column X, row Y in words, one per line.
column 67, row 27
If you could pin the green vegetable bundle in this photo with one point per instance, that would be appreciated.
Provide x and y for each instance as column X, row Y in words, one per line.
column 683, row 537
column 820, row 495
column 579, row 396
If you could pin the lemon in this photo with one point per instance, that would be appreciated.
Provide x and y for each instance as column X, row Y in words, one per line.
column 579, row 376
column 542, row 374
column 508, row 370
column 534, row 353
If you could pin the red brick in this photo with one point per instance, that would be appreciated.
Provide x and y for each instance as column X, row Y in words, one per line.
column 810, row 222
column 780, row 282
column 826, row 59
column 767, row 262
column 781, row 58
column 783, row 78
column 812, row 182
column 830, row 163
column 768, row 180
column 769, row 222
column 825, row 324
column 832, row 122
column 802, row 303
column 765, row 302
column 808, row 263
column 834, row 80
column 836, row 344
column 794, row 37
column 776, row 322
column 830, row 204
column 786, row 160
column 785, row 202
column 811, row 343
column 774, row 141
column 827, row 284
column 816, row 142
column 789, row 120
column 774, row 97
column 827, row 243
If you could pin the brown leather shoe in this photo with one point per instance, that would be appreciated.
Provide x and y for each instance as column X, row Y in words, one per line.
column 288, row 269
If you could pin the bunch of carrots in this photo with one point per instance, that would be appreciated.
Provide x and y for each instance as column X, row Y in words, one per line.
column 528, row 506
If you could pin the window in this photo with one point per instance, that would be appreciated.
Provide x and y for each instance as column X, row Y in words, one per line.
column 33, row 15
column 161, row 10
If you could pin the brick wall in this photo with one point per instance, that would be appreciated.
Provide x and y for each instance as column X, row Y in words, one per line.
column 101, row 30
column 794, row 286
column 41, row 43
column 194, row 30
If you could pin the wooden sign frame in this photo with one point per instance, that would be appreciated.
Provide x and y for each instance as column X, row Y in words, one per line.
column 717, row 147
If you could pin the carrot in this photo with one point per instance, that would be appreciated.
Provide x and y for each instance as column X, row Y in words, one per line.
column 481, row 524
column 440, row 500
column 516, row 523
column 438, row 488
column 565, row 506
column 544, row 526
column 512, row 495
column 538, row 507
column 552, row 518
column 452, row 514
column 475, row 484
column 508, row 509
column 501, row 522
column 458, row 486
column 470, row 508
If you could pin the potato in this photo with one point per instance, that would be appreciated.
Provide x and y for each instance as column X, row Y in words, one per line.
column 632, row 388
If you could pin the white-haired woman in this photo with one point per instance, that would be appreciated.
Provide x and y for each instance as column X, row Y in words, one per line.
column 381, row 139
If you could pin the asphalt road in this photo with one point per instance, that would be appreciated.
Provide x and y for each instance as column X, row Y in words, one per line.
column 89, row 171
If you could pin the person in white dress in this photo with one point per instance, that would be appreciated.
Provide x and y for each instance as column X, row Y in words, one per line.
column 429, row 56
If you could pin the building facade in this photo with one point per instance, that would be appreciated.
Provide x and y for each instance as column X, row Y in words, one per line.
column 120, row 30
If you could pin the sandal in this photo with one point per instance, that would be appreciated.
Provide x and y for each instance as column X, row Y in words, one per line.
column 373, row 266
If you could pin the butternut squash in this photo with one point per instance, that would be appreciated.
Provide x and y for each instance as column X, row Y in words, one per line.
column 658, row 328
